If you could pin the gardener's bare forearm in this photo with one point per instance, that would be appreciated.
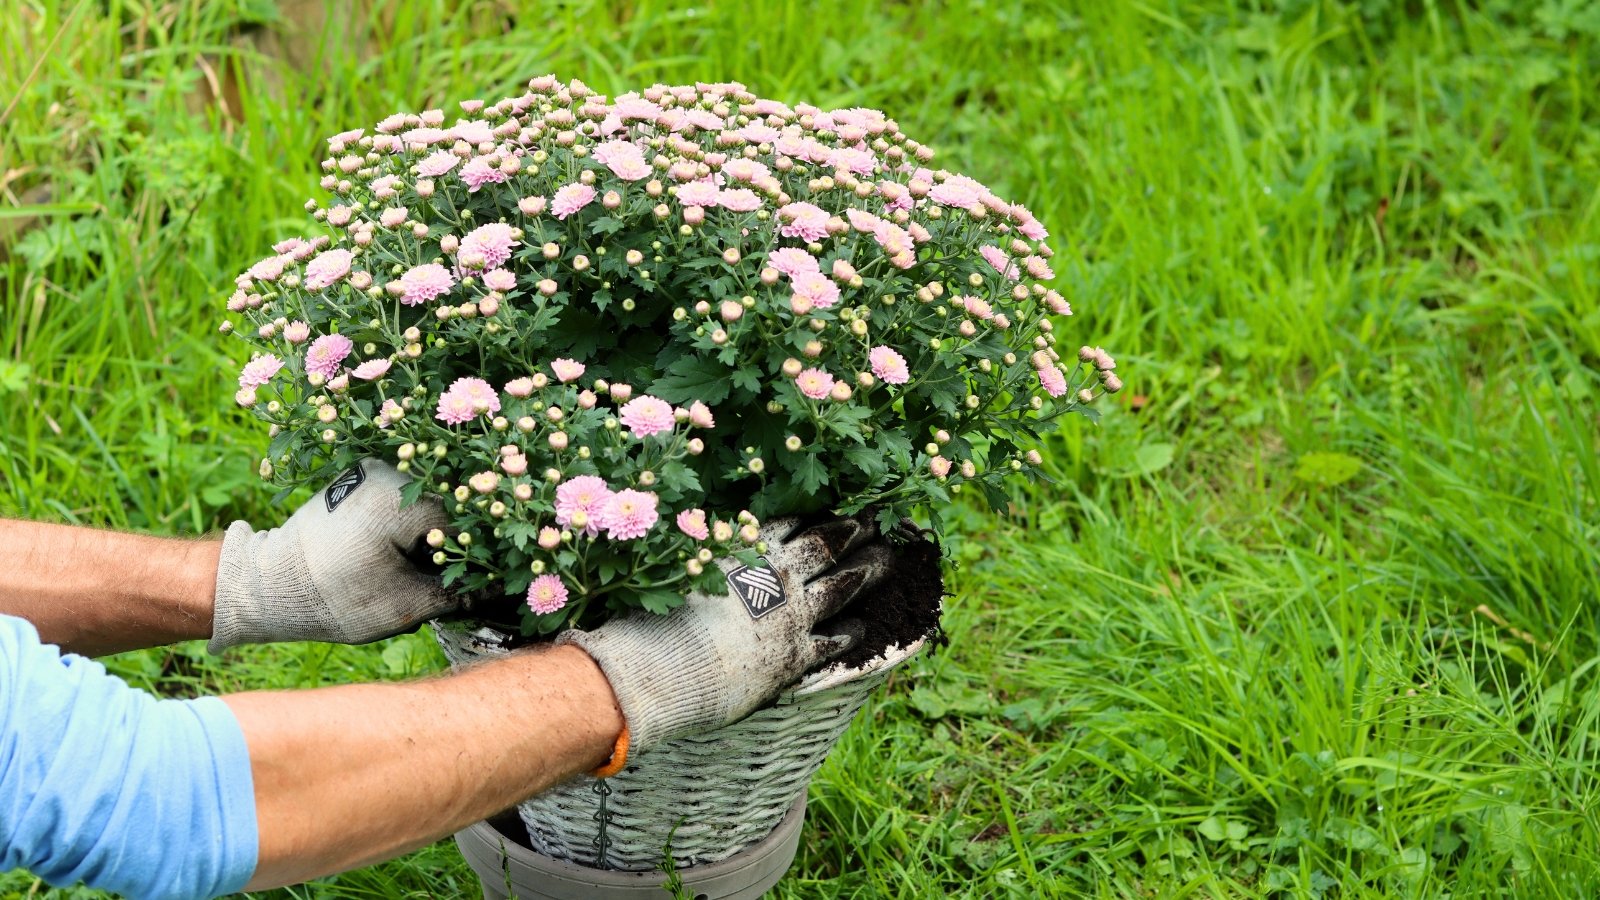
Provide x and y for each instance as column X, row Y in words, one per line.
column 347, row 776
column 96, row 592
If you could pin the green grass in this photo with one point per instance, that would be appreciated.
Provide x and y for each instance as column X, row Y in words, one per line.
column 1314, row 616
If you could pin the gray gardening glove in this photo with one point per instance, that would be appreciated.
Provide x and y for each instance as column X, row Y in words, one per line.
column 336, row 571
column 714, row 660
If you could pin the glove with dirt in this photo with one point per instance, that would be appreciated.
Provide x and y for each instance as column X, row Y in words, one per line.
column 716, row 659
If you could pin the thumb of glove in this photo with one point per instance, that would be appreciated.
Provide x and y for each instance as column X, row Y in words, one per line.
column 843, row 634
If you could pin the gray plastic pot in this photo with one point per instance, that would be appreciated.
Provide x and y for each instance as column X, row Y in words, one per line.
column 511, row 871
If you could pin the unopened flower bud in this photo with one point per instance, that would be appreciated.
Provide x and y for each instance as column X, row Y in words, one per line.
column 523, row 492
column 462, row 493
column 756, row 465
column 749, row 534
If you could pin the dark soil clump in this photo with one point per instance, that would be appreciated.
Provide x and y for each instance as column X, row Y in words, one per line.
column 904, row 608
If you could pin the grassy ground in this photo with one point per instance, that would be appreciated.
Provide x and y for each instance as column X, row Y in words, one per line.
column 1311, row 613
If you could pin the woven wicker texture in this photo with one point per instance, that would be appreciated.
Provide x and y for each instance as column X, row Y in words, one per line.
column 713, row 794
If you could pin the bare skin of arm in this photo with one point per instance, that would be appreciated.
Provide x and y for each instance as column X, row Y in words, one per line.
column 348, row 776
column 96, row 592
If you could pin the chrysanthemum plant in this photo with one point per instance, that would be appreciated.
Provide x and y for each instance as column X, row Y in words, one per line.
column 614, row 335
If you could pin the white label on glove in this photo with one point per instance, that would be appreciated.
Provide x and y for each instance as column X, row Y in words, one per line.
column 758, row 589
column 344, row 486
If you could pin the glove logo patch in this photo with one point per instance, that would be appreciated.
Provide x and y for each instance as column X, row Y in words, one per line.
column 344, row 486
column 758, row 589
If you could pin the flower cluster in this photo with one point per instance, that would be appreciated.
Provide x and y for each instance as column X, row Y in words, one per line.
column 614, row 334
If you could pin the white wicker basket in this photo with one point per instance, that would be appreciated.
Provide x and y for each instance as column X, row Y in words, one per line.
column 713, row 794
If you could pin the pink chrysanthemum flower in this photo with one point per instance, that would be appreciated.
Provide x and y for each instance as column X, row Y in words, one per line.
column 758, row 133
column 567, row 370
column 494, row 241
column 629, row 514
column 1028, row 226
column 499, row 280
column 939, row 466
column 1053, row 381
column 345, row 137
column 268, row 269
column 739, row 200
column 514, row 465
column 805, row 221
column 625, row 159
column 245, row 397
column 700, row 415
column 894, row 240
column 976, row 307
column 959, row 192
column 634, row 107
column 862, row 221
column 484, row 482
column 997, row 258
column 570, row 199
column 817, row 289
column 851, row 159
column 746, row 170
column 698, row 193
column 1038, row 268
column 895, row 195
column 259, row 371
column 477, row 391
column 547, row 595
column 473, row 132
column 646, row 415
column 454, row 409
column 423, row 136
column 793, row 261
column 520, row 387
column 480, row 171
column 587, row 494
column 437, row 164
column 371, row 370
column 814, row 383
column 888, row 365
column 297, row 332
column 704, row 119
column 693, row 523
column 327, row 268
column 326, row 353
column 425, row 282
column 386, row 186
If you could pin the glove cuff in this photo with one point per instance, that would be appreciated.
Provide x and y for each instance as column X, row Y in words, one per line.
column 664, row 672
column 248, row 611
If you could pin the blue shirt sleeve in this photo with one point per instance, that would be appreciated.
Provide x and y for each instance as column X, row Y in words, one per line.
column 108, row 785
